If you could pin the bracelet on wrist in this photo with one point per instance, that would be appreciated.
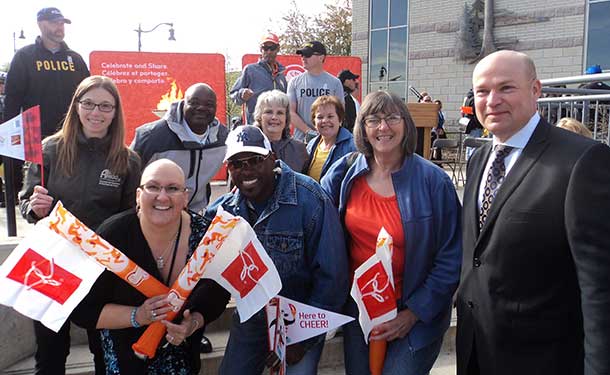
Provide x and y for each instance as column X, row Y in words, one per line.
column 134, row 322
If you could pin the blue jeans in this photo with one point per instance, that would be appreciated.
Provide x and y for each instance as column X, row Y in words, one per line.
column 400, row 358
column 248, row 348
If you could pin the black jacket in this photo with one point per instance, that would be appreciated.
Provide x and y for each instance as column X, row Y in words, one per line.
column 350, row 111
column 168, row 138
column 534, row 296
column 93, row 193
column 39, row 76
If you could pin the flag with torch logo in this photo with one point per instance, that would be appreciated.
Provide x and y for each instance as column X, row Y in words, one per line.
column 46, row 277
column 244, row 268
column 373, row 287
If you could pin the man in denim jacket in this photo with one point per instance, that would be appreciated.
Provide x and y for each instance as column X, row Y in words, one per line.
column 299, row 227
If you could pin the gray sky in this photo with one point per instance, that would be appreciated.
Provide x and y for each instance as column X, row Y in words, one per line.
column 230, row 27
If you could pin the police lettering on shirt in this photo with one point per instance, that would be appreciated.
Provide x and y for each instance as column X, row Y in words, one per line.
column 54, row 65
column 313, row 92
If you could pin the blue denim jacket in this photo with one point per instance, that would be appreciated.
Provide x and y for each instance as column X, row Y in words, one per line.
column 300, row 230
column 343, row 146
column 430, row 213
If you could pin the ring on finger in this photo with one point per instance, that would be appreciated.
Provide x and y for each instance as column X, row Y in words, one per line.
column 170, row 339
column 153, row 314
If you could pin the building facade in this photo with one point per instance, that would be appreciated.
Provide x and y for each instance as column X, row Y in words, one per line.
column 406, row 43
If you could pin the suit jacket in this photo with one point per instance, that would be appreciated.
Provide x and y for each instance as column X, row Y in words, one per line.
column 535, row 290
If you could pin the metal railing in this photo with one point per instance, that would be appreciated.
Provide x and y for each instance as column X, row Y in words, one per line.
column 589, row 106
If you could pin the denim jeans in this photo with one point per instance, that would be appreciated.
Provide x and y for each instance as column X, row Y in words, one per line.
column 248, row 348
column 400, row 358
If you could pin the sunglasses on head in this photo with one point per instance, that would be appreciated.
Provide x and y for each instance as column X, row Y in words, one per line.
column 270, row 47
column 253, row 161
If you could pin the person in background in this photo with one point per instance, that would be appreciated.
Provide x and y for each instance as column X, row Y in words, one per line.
column 159, row 235
column 191, row 136
column 88, row 168
column 390, row 186
column 298, row 226
column 264, row 75
column 574, row 126
column 422, row 96
column 272, row 115
column 333, row 140
column 305, row 88
column 441, row 116
column 45, row 73
column 352, row 107
column 473, row 129
column 2, row 79
column 438, row 131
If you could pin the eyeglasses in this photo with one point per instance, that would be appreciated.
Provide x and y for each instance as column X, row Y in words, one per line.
column 374, row 121
column 251, row 162
column 270, row 47
column 156, row 189
column 90, row 106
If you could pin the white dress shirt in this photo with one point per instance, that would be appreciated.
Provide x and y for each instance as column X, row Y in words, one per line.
column 518, row 142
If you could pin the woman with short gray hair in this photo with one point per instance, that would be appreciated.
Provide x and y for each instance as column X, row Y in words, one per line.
column 272, row 115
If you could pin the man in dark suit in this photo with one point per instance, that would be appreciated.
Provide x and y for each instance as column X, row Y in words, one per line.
column 535, row 295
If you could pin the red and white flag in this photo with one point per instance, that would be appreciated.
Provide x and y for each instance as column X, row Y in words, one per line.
column 373, row 287
column 277, row 335
column 46, row 277
column 244, row 269
column 302, row 321
column 20, row 136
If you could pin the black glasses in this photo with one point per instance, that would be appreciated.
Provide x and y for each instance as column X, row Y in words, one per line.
column 270, row 47
column 90, row 106
column 251, row 162
column 373, row 121
column 151, row 188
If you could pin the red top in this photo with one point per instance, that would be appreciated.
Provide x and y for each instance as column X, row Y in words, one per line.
column 366, row 213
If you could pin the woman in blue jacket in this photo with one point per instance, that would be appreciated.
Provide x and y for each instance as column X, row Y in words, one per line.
column 388, row 185
column 333, row 141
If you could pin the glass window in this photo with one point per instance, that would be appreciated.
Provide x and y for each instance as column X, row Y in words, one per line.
column 398, row 54
column 378, row 86
column 398, row 12
column 399, row 88
column 388, row 52
column 379, row 14
column 378, row 56
column 598, row 42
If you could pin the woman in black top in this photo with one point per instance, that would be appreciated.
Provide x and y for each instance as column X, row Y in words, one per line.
column 88, row 168
column 160, row 236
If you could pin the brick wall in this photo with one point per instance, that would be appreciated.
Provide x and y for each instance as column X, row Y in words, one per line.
column 552, row 33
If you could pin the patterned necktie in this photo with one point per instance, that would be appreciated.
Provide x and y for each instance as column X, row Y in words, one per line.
column 495, row 177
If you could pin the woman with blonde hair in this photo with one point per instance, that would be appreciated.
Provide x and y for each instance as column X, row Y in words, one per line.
column 574, row 126
column 88, row 167
column 333, row 141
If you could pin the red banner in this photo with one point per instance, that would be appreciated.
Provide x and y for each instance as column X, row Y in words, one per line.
column 31, row 134
column 149, row 81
